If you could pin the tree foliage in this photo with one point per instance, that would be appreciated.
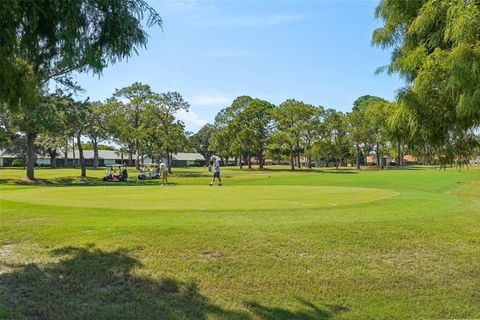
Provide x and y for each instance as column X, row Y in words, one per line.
column 436, row 49
column 48, row 40
column 44, row 41
column 201, row 140
column 290, row 117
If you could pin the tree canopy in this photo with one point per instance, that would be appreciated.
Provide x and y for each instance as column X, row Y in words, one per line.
column 43, row 41
column 48, row 40
column 436, row 49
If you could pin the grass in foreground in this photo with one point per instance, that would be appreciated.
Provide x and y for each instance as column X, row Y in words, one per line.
column 413, row 255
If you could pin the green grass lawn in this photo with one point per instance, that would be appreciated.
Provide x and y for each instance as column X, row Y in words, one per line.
column 273, row 244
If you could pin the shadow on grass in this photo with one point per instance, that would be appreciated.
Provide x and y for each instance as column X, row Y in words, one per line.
column 189, row 174
column 80, row 182
column 89, row 283
column 306, row 170
column 308, row 311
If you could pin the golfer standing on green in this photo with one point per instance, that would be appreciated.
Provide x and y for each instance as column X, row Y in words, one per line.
column 216, row 172
column 163, row 173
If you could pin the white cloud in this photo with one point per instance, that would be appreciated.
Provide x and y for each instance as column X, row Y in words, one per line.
column 208, row 14
column 251, row 21
column 192, row 10
column 235, row 53
column 177, row 6
column 192, row 121
column 211, row 99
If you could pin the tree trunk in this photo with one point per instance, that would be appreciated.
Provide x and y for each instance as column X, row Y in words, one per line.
column 358, row 157
column 399, row 156
column 169, row 160
column 53, row 158
column 425, row 156
column 65, row 155
column 240, row 163
column 249, row 160
column 260, row 160
column 378, row 156
column 95, row 153
column 31, row 155
column 81, row 158
column 73, row 153
column 137, row 163
column 130, row 159
column 299, row 165
column 292, row 165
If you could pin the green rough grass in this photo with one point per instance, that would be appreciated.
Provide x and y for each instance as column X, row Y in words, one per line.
column 413, row 255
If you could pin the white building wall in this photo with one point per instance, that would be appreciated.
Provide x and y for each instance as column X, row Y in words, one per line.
column 43, row 162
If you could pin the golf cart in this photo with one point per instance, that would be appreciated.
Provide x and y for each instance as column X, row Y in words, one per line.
column 115, row 173
column 149, row 171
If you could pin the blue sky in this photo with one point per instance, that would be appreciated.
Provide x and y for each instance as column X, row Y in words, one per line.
column 212, row 51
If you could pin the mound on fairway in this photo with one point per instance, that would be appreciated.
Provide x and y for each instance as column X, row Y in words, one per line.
column 197, row 197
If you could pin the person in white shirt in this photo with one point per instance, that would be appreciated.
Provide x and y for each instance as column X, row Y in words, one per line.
column 216, row 172
column 163, row 173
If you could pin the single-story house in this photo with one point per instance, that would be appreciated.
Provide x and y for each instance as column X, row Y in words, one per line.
column 186, row 159
column 6, row 158
column 409, row 160
column 105, row 157
column 389, row 160
column 385, row 160
column 475, row 160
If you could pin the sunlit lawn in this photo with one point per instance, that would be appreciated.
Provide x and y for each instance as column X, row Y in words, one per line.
column 325, row 244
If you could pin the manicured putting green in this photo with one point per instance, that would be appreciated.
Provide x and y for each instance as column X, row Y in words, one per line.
column 197, row 197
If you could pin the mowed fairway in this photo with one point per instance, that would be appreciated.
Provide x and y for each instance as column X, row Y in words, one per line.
column 274, row 244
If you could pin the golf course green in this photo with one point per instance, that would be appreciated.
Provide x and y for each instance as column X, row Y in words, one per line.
column 268, row 244
column 198, row 197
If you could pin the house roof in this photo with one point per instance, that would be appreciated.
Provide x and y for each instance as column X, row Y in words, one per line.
column 409, row 157
column 373, row 159
column 188, row 156
column 111, row 155
column 5, row 154
column 88, row 154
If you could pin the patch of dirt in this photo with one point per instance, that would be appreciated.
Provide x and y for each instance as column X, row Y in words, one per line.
column 212, row 254
column 5, row 250
column 29, row 220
